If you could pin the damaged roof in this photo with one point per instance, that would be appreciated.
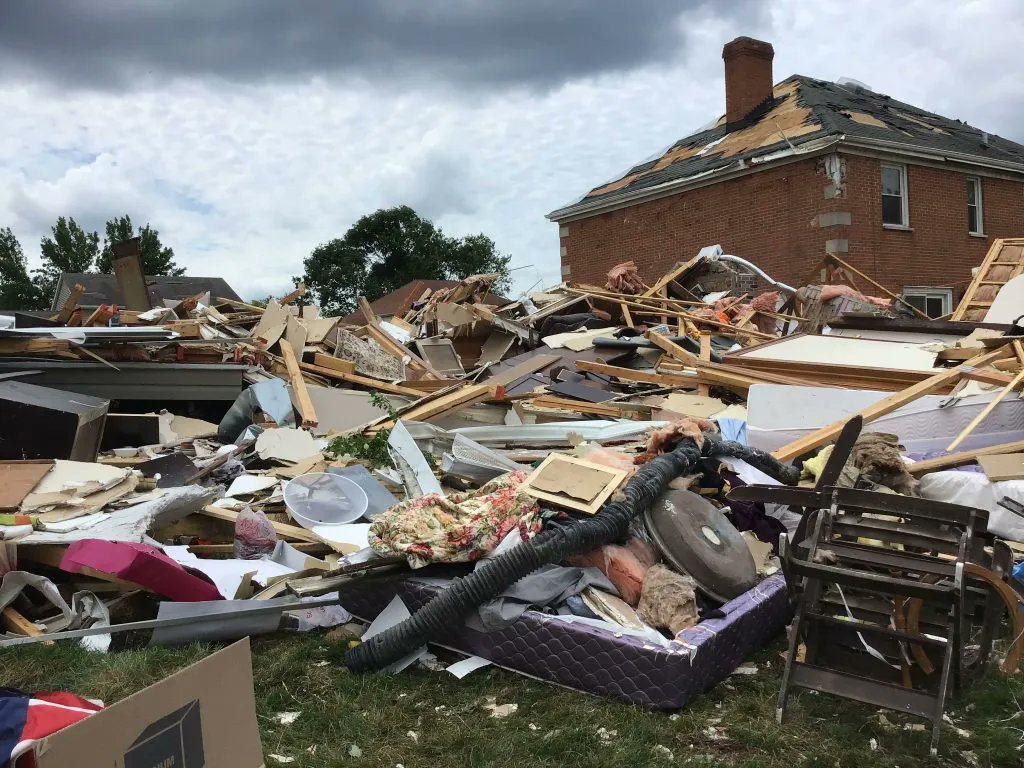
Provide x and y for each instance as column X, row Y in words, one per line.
column 804, row 114
column 103, row 289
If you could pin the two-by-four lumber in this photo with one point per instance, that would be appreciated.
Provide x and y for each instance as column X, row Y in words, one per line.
column 334, row 363
column 305, row 403
column 300, row 290
column 963, row 457
column 33, row 346
column 355, row 378
column 830, row 432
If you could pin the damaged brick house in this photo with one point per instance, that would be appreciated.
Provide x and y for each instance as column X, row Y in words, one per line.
column 802, row 168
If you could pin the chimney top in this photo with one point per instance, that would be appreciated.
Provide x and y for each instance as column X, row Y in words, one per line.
column 748, row 77
column 748, row 46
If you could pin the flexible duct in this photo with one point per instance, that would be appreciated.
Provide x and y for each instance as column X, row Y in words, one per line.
column 450, row 607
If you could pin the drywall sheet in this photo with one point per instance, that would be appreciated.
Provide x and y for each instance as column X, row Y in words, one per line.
column 839, row 350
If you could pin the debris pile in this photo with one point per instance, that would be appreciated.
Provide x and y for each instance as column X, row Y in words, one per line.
column 621, row 464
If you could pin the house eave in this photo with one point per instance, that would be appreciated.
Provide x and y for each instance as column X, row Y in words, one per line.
column 736, row 168
column 912, row 150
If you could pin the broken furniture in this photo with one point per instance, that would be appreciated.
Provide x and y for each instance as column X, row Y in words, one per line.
column 880, row 581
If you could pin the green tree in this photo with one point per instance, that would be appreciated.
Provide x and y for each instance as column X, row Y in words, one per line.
column 69, row 248
column 385, row 250
column 17, row 290
column 157, row 259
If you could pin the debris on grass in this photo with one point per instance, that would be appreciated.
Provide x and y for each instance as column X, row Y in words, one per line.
column 414, row 736
column 286, row 718
column 660, row 749
column 873, row 743
column 606, row 735
column 281, row 758
column 745, row 669
column 500, row 710
column 355, row 751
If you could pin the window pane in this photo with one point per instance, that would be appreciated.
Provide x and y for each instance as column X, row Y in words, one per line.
column 972, row 191
column 891, row 181
column 933, row 306
column 972, row 219
column 918, row 302
column 892, row 209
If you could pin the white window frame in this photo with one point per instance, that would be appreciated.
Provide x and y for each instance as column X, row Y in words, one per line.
column 928, row 292
column 904, row 195
column 979, row 204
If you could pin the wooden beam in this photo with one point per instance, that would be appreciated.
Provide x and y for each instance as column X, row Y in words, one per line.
column 705, row 355
column 334, row 363
column 672, row 349
column 365, row 381
column 625, row 314
column 300, row 290
column 305, row 404
column 830, row 432
column 849, row 268
column 1015, row 383
column 443, row 403
column 68, row 307
column 13, row 621
column 963, row 457
column 33, row 346
column 283, row 529
column 628, row 374
column 673, row 275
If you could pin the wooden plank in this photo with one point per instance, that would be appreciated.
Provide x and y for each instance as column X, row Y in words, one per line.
column 131, row 280
column 300, row 290
column 436, row 405
column 334, row 363
column 986, row 411
column 672, row 349
column 33, row 346
column 365, row 381
column 705, row 355
column 283, row 529
column 391, row 344
column 68, row 307
column 305, row 403
column 625, row 314
column 628, row 374
column 850, row 268
column 668, row 278
column 431, row 385
column 15, row 622
column 889, row 404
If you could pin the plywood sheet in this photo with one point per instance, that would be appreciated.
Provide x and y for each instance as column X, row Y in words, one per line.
column 18, row 478
column 1003, row 466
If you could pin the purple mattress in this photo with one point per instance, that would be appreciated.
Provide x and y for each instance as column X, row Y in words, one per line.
column 595, row 661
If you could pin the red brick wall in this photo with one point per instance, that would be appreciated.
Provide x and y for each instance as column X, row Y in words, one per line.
column 769, row 218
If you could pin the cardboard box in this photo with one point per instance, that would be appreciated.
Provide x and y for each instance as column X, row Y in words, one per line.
column 201, row 717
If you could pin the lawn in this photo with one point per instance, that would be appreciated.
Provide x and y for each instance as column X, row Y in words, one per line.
column 424, row 718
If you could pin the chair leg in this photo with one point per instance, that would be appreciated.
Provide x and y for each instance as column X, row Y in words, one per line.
column 949, row 661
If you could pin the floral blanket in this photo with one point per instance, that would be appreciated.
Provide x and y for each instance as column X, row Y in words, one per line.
column 459, row 528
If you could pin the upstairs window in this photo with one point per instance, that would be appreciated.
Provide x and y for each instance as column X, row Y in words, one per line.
column 975, row 220
column 894, row 196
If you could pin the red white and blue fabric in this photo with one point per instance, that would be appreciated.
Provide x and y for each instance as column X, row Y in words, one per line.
column 25, row 718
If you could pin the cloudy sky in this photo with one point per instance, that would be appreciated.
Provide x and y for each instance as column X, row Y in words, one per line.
column 249, row 132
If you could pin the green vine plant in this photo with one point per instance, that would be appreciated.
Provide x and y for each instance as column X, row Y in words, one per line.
column 373, row 450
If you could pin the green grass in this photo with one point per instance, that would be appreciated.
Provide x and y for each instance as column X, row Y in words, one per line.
column 733, row 724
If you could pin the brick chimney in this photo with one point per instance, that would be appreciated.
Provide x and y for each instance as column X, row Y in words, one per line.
column 748, row 76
